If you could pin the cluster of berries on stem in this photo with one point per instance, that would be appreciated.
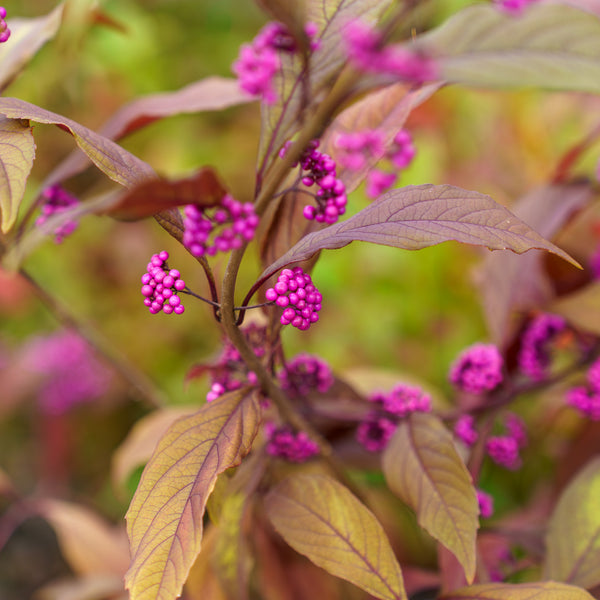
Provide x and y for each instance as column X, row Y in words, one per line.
column 534, row 354
column 238, row 222
column 478, row 369
column 586, row 398
column 4, row 30
column 293, row 447
column 57, row 201
column 161, row 286
column 298, row 296
column 305, row 374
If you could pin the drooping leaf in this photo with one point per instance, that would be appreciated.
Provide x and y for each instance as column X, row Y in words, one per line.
column 581, row 308
column 385, row 109
column 151, row 197
column 546, row 590
column 27, row 36
column 120, row 165
column 550, row 46
column 573, row 539
column 203, row 583
column 137, row 448
column 510, row 283
column 212, row 93
column 321, row 519
column 279, row 120
column 423, row 468
column 17, row 151
column 419, row 216
column 164, row 521
column 90, row 545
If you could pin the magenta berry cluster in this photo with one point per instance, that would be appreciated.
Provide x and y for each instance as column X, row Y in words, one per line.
column 161, row 286
column 366, row 52
column 284, row 443
column 237, row 221
column 298, row 296
column 477, row 369
column 534, row 354
column 259, row 62
column 586, row 398
column 464, row 430
column 57, row 201
column 305, row 374
column 504, row 450
column 379, row 425
column 486, row 504
column 4, row 30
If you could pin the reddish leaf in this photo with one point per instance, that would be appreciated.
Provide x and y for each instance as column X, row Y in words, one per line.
column 151, row 197
column 17, row 151
column 120, row 165
column 386, row 109
column 510, row 283
column 164, row 521
column 423, row 468
column 546, row 590
column 321, row 519
column 27, row 36
column 419, row 216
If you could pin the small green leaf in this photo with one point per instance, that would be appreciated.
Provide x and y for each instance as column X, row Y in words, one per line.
column 573, row 540
column 547, row 590
column 550, row 46
column 17, row 151
column 321, row 519
column 120, row 165
column 164, row 521
column 423, row 468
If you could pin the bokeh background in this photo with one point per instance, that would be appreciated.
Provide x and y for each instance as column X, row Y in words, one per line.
column 384, row 309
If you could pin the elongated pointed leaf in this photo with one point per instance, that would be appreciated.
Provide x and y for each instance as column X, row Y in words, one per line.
column 280, row 120
column 423, row 468
column 321, row 519
column 27, row 36
column 546, row 590
column 17, row 151
column 550, row 46
column 573, row 540
column 120, row 165
column 419, row 216
column 164, row 521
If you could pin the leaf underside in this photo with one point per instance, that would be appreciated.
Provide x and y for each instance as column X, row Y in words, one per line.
column 546, row 590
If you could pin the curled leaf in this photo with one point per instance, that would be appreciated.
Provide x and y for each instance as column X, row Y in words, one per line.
column 423, row 468
column 321, row 519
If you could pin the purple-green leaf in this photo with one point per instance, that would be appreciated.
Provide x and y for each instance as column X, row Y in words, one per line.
column 164, row 521
column 17, row 151
column 573, row 540
column 423, row 468
column 120, row 165
column 321, row 519
column 543, row 590
column 280, row 120
column 27, row 36
column 416, row 217
column 549, row 46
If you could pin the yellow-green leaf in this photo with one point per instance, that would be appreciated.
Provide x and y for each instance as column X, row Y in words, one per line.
column 164, row 521
column 17, row 151
column 547, row 590
column 423, row 468
column 321, row 519
column 573, row 540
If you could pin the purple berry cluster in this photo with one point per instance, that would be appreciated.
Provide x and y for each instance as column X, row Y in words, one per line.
column 305, row 374
column 4, row 30
column 586, row 398
column 298, row 296
column 486, row 504
column 534, row 354
column 478, row 369
column 284, row 443
column 259, row 62
column 504, row 449
column 365, row 50
column 161, row 286
column 238, row 222
column 464, row 430
column 376, row 430
column 57, row 201
column 513, row 7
